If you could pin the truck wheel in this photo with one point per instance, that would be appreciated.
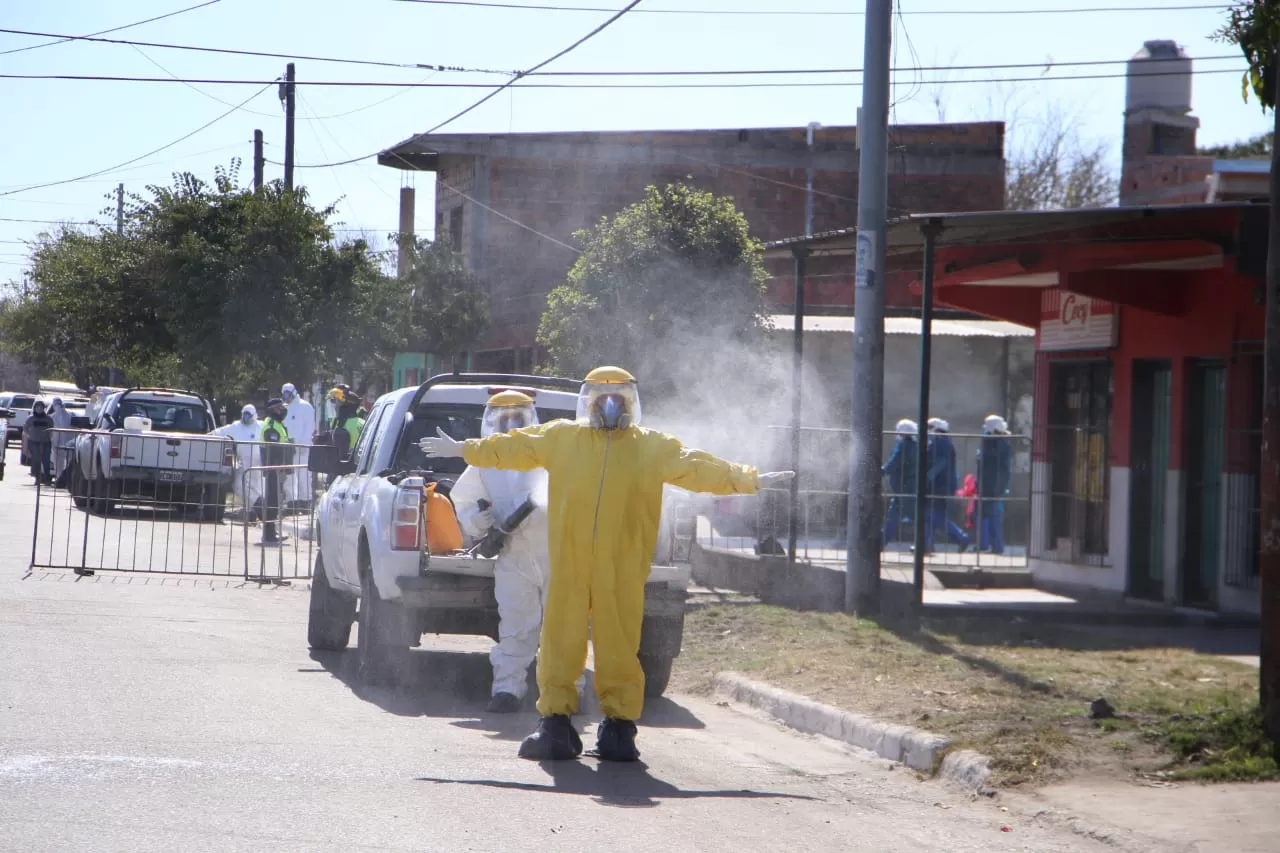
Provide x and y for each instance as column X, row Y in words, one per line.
column 213, row 505
column 382, row 645
column 657, row 674
column 79, row 487
column 101, row 501
column 331, row 615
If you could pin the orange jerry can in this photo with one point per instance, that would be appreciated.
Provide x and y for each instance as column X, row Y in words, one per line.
column 441, row 531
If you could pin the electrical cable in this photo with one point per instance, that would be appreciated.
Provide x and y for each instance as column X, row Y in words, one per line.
column 542, row 7
column 164, row 147
column 501, row 88
column 61, row 39
column 267, row 54
column 569, row 86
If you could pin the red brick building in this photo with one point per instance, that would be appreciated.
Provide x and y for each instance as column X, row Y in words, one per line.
column 510, row 202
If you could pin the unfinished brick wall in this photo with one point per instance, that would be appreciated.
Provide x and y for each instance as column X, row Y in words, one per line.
column 590, row 176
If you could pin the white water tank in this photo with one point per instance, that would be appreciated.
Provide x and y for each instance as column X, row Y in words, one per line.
column 1159, row 78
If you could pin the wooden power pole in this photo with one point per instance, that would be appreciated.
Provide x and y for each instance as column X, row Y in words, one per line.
column 258, row 162
column 287, row 91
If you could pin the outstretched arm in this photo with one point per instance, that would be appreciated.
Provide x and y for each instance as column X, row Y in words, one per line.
column 699, row 471
column 518, row 450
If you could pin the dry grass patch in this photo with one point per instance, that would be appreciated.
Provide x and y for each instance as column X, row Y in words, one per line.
column 1015, row 691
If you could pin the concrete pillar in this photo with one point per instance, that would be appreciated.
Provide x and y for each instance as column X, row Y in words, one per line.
column 405, row 250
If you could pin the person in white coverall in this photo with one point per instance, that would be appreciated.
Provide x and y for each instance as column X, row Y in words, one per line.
column 522, row 568
column 245, row 433
column 301, row 423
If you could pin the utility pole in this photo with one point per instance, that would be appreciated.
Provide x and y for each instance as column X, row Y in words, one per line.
column 862, row 564
column 287, row 95
column 1269, row 471
column 258, row 162
column 120, row 208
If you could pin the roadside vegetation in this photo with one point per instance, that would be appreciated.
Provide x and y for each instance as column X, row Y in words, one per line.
column 1025, row 694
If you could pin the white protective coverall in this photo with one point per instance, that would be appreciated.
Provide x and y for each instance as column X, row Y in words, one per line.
column 520, row 572
column 63, row 442
column 248, row 484
column 301, row 424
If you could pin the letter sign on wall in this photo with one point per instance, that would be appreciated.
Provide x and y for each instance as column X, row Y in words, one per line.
column 1069, row 321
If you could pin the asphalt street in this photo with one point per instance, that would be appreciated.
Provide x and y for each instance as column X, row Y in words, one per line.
column 141, row 712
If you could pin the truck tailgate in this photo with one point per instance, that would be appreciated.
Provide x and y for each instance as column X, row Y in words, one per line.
column 172, row 451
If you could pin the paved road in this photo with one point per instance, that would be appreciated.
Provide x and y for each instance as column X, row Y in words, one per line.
column 147, row 713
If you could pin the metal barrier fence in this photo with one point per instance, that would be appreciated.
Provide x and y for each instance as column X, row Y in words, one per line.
column 165, row 504
column 760, row 523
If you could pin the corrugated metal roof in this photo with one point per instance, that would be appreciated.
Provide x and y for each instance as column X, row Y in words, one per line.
column 908, row 326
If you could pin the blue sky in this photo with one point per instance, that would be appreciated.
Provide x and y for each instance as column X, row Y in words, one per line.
column 59, row 129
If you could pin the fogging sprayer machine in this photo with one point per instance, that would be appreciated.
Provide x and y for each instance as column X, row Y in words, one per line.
column 495, row 538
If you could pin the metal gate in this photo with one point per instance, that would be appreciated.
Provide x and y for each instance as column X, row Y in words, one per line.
column 155, row 523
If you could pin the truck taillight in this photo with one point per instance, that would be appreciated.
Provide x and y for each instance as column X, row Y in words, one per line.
column 406, row 516
column 228, row 455
column 115, row 446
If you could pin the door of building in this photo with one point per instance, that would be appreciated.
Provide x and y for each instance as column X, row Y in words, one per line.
column 1148, row 475
column 1205, row 444
column 1078, row 432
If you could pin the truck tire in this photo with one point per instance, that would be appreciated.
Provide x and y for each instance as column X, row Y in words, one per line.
column 213, row 506
column 332, row 612
column 657, row 674
column 79, row 487
column 100, row 500
column 382, row 643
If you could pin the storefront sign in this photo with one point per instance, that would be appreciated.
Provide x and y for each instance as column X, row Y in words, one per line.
column 1069, row 321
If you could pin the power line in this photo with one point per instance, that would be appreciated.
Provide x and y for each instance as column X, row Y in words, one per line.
column 47, row 221
column 61, row 39
column 164, row 147
column 567, row 86
column 267, row 54
column 503, row 87
column 541, row 7
column 533, row 72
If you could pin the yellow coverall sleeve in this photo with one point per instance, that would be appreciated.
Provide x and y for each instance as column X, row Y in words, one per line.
column 518, row 450
column 699, row 471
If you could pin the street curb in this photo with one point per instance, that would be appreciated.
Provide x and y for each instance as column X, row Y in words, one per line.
column 917, row 749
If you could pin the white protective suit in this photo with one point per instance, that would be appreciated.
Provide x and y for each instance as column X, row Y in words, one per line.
column 248, row 484
column 301, row 423
column 63, row 442
column 521, row 571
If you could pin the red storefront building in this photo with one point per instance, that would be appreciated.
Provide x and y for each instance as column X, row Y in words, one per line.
column 1148, row 389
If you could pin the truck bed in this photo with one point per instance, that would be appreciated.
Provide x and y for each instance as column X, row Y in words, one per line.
column 482, row 567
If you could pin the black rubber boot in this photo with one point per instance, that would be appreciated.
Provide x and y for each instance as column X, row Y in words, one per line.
column 503, row 703
column 616, row 740
column 555, row 740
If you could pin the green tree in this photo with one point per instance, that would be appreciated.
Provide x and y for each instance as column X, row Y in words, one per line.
column 670, row 288
column 1254, row 27
column 1255, row 148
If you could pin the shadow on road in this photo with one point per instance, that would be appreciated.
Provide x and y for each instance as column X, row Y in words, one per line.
column 620, row 785
column 439, row 683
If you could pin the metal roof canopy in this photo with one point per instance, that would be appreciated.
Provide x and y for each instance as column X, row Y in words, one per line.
column 905, row 237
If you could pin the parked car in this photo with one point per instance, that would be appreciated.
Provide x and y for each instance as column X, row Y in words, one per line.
column 20, row 404
column 151, row 444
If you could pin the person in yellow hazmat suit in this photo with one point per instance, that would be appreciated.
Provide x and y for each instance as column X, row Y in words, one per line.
column 605, row 478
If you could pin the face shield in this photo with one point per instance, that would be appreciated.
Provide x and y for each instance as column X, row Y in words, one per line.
column 506, row 418
column 248, row 415
column 609, row 405
column 288, row 392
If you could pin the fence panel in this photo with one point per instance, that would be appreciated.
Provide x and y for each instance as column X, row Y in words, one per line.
column 168, row 513
column 759, row 524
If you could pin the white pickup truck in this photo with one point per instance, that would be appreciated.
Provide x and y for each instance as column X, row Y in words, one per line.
column 373, row 567
column 151, row 445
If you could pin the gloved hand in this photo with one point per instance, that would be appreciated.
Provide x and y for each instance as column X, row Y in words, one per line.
column 444, row 446
column 775, row 478
column 484, row 519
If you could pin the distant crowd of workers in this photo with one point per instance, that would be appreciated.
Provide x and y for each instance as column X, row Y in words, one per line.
column 290, row 421
column 986, row 489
